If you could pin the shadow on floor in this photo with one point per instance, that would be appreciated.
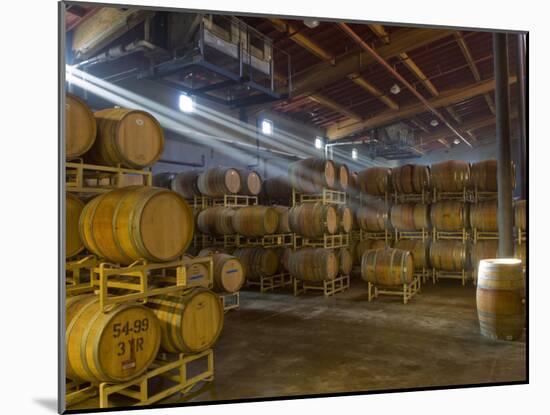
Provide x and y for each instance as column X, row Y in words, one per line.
column 48, row 403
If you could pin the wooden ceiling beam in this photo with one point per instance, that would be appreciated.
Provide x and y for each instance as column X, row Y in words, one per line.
column 444, row 99
column 334, row 106
column 380, row 31
column 367, row 86
column 413, row 67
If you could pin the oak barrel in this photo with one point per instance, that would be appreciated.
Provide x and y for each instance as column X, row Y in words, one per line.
column 374, row 217
column 483, row 216
column 284, row 257
column 342, row 172
column 365, row 245
column 132, row 223
column 217, row 220
column 278, row 189
column 284, row 224
column 197, row 273
column 80, row 127
column 251, row 182
column 353, row 186
column 190, row 321
column 500, row 287
column 219, row 181
column 345, row 216
column 255, row 221
column 73, row 209
column 184, row 183
column 314, row 264
column 520, row 252
column 483, row 249
column 387, row 267
column 450, row 215
column 520, row 214
column 312, row 174
column 484, row 175
column 450, row 255
column 258, row 262
column 126, row 137
column 229, row 273
column 419, row 249
column 410, row 216
column 345, row 260
column 410, row 178
column 115, row 346
column 313, row 219
column 375, row 181
column 450, row 176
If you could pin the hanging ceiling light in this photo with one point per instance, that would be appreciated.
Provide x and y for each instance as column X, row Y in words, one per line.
column 434, row 123
column 311, row 23
column 395, row 89
column 456, row 141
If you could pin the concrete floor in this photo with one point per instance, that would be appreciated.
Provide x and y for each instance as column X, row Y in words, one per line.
column 280, row 345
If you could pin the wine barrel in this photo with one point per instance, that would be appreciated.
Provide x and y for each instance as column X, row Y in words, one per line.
column 258, row 262
column 410, row 216
column 520, row 252
column 228, row 273
column 115, row 346
column 419, row 249
column 387, row 267
column 483, row 216
column 345, row 216
column 365, row 245
column 184, row 183
column 520, row 214
column 278, row 189
column 219, row 181
column 255, row 221
column 450, row 216
column 375, row 181
column 313, row 219
column 80, row 127
column 483, row 249
column 484, row 176
column 217, row 220
column 251, row 183
column 343, row 176
column 132, row 223
column 312, row 174
column 450, row 176
column 499, row 294
column 284, row 256
column 313, row 264
column 410, row 178
column 197, row 273
column 190, row 321
column 284, row 224
column 353, row 186
column 126, row 137
column 73, row 209
column 373, row 218
column 450, row 255
column 345, row 260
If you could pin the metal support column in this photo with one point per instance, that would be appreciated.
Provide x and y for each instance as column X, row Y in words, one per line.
column 504, row 170
column 522, row 115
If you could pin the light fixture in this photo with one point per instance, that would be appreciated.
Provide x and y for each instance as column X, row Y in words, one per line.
column 267, row 127
column 311, row 23
column 318, row 143
column 354, row 154
column 434, row 123
column 395, row 89
column 186, row 103
column 456, row 141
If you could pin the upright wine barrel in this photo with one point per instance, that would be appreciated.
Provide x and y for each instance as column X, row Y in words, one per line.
column 313, row 219
column 387, row 267
column 520, row 214
column 190, row 321
column 484, row 176
column 410, row 216
column 216, row 220
column 450, row 255
column 184, row 183
column 410, row 178
column 450, row 176
column 345, row 260
column 365, row 245
column 375, row 181
column 450, row 215
column 131, row 138
column 345, row 216
column 251, row 182
column 312, row 174
column 80, row 127
column 135, row 222
column 219, row 181
column 255, row 221
column 115, row 346
column 483, row 249
column 343, row 176
column 197, row 273
column 73, row 209
column 284, row 221
column 313, row 264
column 278, row 189
column 419, row 249
column 258, row 262
column 373, row 217
column 499, row 294
column 483, row 216
column 229, row 273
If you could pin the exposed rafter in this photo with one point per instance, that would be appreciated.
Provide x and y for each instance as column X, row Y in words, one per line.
column 326, row 102
column 367, row 86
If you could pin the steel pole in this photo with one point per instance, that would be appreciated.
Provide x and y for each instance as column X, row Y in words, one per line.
column 521, row 89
